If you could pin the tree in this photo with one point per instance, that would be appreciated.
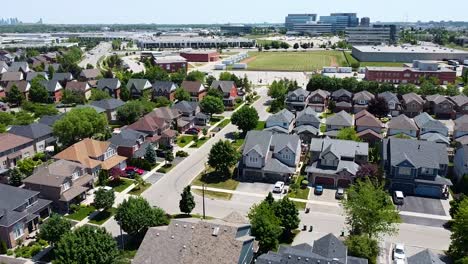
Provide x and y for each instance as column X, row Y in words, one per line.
column 73, row 97
column 196, row 76
column 125, row 93
column 16, row 177
column 3, row 247
column 104, row 199
column 265, row 226
column 451, row 90
column 97, row 95
column 26, row 166
column 135, row 215
column 223, row 155
column 245, row 118
column 40, row 110
column 212, row 105
column 178, row 77
column 348, row 133
column 79, row 124
column 162, row 101
column 296, row 46
column 150, row 154
column 86, row 244
column 37, row 92
column 103, row 177
column 54, row 228
column 363, row 247
column 130, row 112
column 369, row 171
column 15, row 96
column 209, row 80
column 378, row 106
column 187, row 202
column 288, row 214
column 269, row 199
column 181, row 94
column 169, row 157
column 215, row 93
column 50, row 72
column 459, row 247
column 369, row 210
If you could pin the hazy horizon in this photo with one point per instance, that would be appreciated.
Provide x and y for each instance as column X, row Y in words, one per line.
column 215, row 12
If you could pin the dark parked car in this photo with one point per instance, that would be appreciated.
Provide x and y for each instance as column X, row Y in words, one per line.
column 318, row 190
column 192, row 131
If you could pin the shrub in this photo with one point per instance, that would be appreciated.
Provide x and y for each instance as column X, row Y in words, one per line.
column 238, row 100
column 181, row 153
column 304, row 183
column 9, row 252
column 74, row 208
column 293, row 186
column 140, row 163
column 3, row 247
column 183, row 140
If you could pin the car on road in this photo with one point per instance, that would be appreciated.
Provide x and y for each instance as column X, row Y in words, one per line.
column 399, row 252
column 318, row 190
column 132, row 169
column 339, row 194
column 398, row 198
column 279, row 186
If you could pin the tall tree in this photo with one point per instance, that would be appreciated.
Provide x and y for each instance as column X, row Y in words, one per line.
column 37, row 92
column 15, row 96
column 265, row 226
column 245, row 118
column 212, row 105
column 187, row 202
column 369, row 210
column 378, row 106
column 369, row 171
column 125, row 93
column 363, row 247
column 16, row 177
column 348, row 133
column 181, row 94
column 73, row 97
column 54, row 228
column 288, row 214
column 150, row 154
column 223, row 155
column 130, row 112
column 104, row 199
column 97, row 95
column 459, row 247
column 86, row 244
column 196, row 76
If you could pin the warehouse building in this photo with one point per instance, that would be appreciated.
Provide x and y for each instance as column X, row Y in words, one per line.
column 235, row 29
column 407, row 53
column 200, row 55
column 180, row 42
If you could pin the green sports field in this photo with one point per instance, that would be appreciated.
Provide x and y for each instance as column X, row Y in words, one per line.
column 294, row 61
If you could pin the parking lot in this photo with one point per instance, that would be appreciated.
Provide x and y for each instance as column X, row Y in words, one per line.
column 423, row 205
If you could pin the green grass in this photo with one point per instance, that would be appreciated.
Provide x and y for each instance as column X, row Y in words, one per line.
column 166, row 168
column 214, row 195
column 326, row 114
column 238, row 143
column 323, row 128
column 260, row 125
column 214, row 180
column 121, row 185
column 215, row 119
column 81, row 213
column 183, row 140
column 300, row 193
column 103, row 216
column 224, row 123
column 139, row 189
column 295, row 61
column 300, row 205
column 199, row 142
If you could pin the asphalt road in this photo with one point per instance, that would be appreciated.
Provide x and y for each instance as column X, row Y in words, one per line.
column 92, row 57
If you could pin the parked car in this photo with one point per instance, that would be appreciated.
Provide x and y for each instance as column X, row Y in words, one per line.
column 192, row 131
column 318, row 190
column 399, row 252
column 131, row 169
column 279, row 186
column 398, row 198
column 339, row 194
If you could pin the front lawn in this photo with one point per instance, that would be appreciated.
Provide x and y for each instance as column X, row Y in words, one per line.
column 238, row 143
column 103, row 216
column 299, row 193
column 82, row 212
column 183, row 140
column 214, row 195
column 215, row 119
column 166, row 168
column 139, row 189
column 199, row 142
column 212, row 179
column 120, row 185
column 224, row 123
column 260, row 125
column 300, row 205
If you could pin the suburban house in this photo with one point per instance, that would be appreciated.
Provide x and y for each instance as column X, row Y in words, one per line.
column 337, row 122
column 63, row 182
column 19, row 66
column 31, row 75
column 426, row 256
column 402, row 125
column 297, row 100
column 3, row 67
column 269, row 157
column 94, row 155
column 90, row 75
column 158, row 129
column 281, row 122
column 361, row 101
column 20, row 211
column 413, row 104
column 229, row 90
column 193, row 240
column 431, row 129
column 195, row 88
column 62, row 77
column 334, row 163
column 130, row 143
column 110, row 107
column 111, row 86
column 12, row 77
column 440, row 106
column 12, row 149
column 307, row 124
column 342, row 95
column 23, row 87
column 461, row 104
column 328, row 249
column 460, row 130
column 368, row 127
column 42, row 135
column 50, row 120
column 460, row 162
column 164, row 89
column 55, row 90
column 416, row 167
column 318, row 100
column 81, row 87
column 172, row 116
column 138, row 87
column 191, row 113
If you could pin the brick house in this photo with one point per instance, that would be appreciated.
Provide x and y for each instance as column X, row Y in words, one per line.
column 12, row 149
column 55, row 90
column 165, row 89
column 195, row 88
column 318, row 100
column 130, row 143
column 229, row 90
column 440, row 106
column 81, row 87
column 413, row 104
column 111, row 86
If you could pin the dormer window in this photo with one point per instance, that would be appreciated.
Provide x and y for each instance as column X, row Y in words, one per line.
column 66, row 186
column 109, row 153
column 75, row 175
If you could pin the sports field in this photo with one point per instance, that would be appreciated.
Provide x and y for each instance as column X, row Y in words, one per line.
column 294, row 61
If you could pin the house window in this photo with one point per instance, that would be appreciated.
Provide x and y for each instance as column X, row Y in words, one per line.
column 316, row 99
column 31, row 201
column 41, row 147
column 404, row 171
column 426, row 171
column 66, row 186
column 75, row 175
column 110, row 152
column 18, row 230
column 286, row 156
column 253, row 159
column 26, row 155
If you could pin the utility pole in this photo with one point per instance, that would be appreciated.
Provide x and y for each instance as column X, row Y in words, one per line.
column 203, row 193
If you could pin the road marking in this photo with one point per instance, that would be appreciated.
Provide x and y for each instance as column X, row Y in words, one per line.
column 438, row 217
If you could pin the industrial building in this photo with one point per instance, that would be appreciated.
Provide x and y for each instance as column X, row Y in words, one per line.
column 200, row 55
column 407, row 53
column 235, row 29
column 298, row 19
column 375, row 35
column 171, row 63
column 178, row 42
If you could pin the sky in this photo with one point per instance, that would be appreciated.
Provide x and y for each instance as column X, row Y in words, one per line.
column 222, row 11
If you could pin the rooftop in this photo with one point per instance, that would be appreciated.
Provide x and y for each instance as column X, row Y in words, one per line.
column 408, row 49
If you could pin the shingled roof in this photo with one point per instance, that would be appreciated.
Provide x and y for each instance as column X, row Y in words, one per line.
column 32, row 131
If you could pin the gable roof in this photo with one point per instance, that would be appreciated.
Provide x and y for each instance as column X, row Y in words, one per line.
column 108, row 104
column 461, row 123
column 62, row 76
column 320, row 92
column 148, row 123
column 283, row 116
column 127, row 138
column 77, row 86
column 340, row 119
column 12, row 76
column 164, row 86
column 33, row 131
column 192, row 86
column 308, row 115
column 363, row 95
column 31, row 75
column 54, row 174
column 437, row 99
column 23, row 86
column 459, row 100
column 166, row 113
column 19, row 66
column 364, row 118
column 258, row 140
column 186, row 106
column 90, row 73
column 9, row 141
column 330, row 246
column 412, row 97
column 424, row 120
column 225, row 86
column 109, row 83
column 139, row 84
column 50, row 120
column 402, row 122
column 388, row 96
column 342, row 92
column 425, row 257
column 422, row 154
column 52, row 86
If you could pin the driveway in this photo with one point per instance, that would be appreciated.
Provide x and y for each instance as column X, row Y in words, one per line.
column 254, row 188
column 423, row 205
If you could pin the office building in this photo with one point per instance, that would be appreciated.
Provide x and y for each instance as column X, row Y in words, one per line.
column 340, row 21
column 232, row 29
column 294, row 19
column 365, row 22
column 313, row 28
column 407, row 53
column 353, row 20
column 375, row 35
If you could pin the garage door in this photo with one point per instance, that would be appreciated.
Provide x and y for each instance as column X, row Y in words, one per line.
column 428, row 191
column 343, row 183
column 329, row 182
column 406, row 188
